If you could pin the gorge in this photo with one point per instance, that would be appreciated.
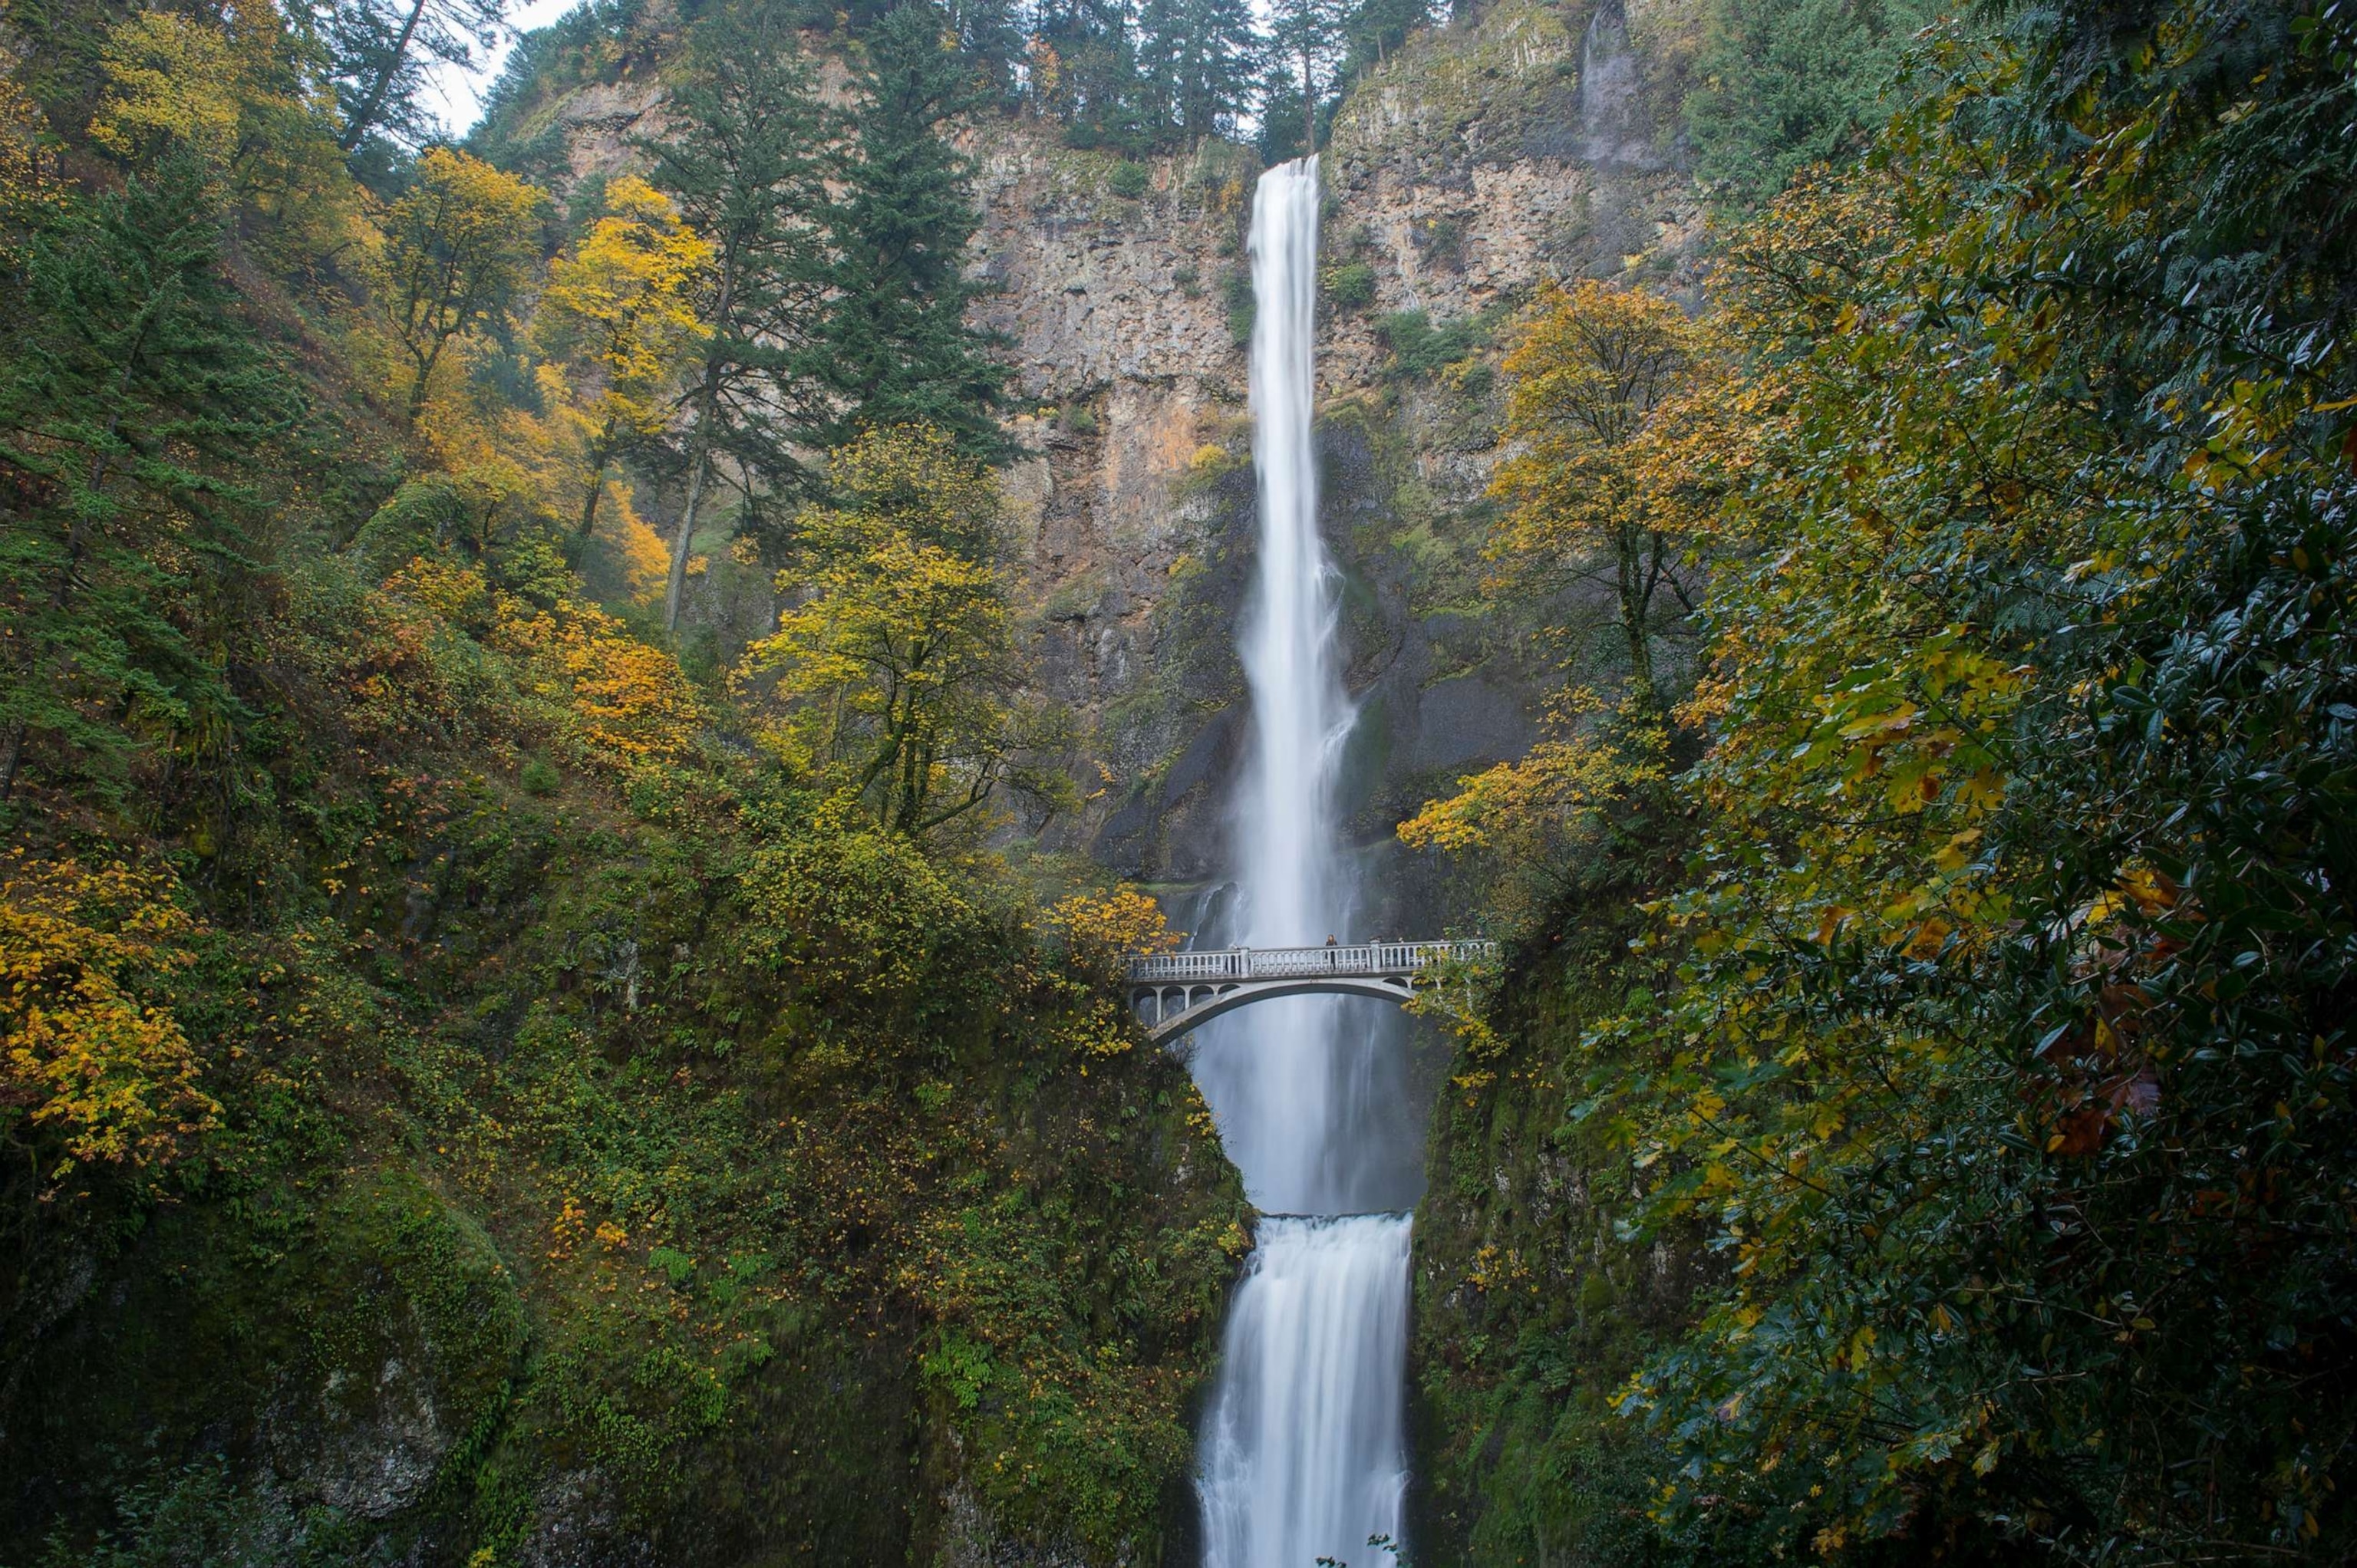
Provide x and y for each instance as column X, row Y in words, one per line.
column 672, row 769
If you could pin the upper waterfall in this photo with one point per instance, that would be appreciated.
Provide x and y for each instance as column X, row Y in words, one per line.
column 1302, row 1452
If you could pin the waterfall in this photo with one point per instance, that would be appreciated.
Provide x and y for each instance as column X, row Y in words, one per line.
column 1303, row 1453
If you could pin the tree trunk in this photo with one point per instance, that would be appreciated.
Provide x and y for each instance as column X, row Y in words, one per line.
column 1308, row 105
column 589, row 507
column 10, row 757
column 374, row 105
column 723, row 307
column 686, row 531
column 1634, row 619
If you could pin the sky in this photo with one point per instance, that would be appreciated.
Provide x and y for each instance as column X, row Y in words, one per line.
column 458, row 95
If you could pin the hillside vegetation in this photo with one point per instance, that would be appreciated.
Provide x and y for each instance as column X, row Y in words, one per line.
column 485, row 1082
column 1916, row 1124
column 535, row 1027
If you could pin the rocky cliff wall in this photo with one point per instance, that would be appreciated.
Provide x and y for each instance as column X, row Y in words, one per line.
column 1534, row 139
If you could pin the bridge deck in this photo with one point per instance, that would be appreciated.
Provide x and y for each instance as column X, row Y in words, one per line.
column 1174, row 991
column 1365, row 960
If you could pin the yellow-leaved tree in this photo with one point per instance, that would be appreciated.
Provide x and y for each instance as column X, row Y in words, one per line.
column 1623, row 447
column 232, row 91
column 619, row 324
column 1628, row 429
column 893, row 674
column 458, row 244
column 94, row 1068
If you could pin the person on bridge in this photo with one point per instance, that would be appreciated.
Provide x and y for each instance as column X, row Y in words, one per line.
column 1329, row 951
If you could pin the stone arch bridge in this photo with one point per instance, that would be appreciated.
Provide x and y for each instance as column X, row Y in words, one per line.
column 1172, row 993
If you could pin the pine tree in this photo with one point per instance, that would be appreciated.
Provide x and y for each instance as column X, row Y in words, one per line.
column 378, row 53
column 1200, row 61
column 991, row 37
column 895, row 347
column 1304, row 58
column 1223, row 61
column 128, row 392
column 1373, row 29
column 744, row 171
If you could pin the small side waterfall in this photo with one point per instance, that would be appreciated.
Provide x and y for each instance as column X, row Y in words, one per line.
column 1304, row 1454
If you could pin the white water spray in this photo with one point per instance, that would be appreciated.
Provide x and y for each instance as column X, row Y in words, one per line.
column 1304, row 1455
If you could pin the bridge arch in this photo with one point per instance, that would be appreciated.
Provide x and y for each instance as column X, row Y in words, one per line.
column 1201, row 1003
column 1180, row 990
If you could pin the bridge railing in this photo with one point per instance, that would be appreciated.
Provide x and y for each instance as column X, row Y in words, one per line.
column 1291, row 963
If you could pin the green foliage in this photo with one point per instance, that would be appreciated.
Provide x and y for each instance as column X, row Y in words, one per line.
column 506, row 1109
column 378, row 55
column 1351, row 285
column 1419, row 350
column 1127, row 180
column 123, row 401
column 1236, row 289
column 894, row 347
column 1788, row 83
column 1994, row 1044
column 744, row 171
column 199, row 1514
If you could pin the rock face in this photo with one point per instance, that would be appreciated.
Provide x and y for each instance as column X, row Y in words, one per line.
column 1530, row 142
column 1527, row 140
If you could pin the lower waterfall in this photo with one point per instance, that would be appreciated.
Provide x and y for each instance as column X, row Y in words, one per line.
column 1302, row 1452
column 1302, row 1459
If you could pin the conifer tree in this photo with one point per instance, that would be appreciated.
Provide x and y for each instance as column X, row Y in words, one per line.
column 1304, row 58
column 745, row 173
column 379, row 50
column 129, row 391
column 1372, row 30
column 895, row 347
column 1201, row 60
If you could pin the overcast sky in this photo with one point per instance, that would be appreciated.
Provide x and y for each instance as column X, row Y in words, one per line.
column 458, row 95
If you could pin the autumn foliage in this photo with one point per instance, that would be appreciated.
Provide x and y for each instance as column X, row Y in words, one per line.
column 94, row 1068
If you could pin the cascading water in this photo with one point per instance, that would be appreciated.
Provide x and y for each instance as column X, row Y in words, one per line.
column 1304, row 1454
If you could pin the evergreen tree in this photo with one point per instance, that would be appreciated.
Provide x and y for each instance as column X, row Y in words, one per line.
column 1373, row 29
column 128, row 389
column 743, row 170
column 1200, row 61
column 1099, row 89
column 1303, row 63
column 377, row 52
column 991, row 37
column 895, row 347
column 1787, row 83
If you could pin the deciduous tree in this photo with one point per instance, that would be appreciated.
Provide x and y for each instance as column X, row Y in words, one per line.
column 458, row 243
column 895, row 670
column 1623, row 441
column 617, row 320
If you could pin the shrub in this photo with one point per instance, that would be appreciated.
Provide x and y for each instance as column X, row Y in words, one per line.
column 1128, row 180
column 1351, row 285
column 1420, row 349
column 1241, row 305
